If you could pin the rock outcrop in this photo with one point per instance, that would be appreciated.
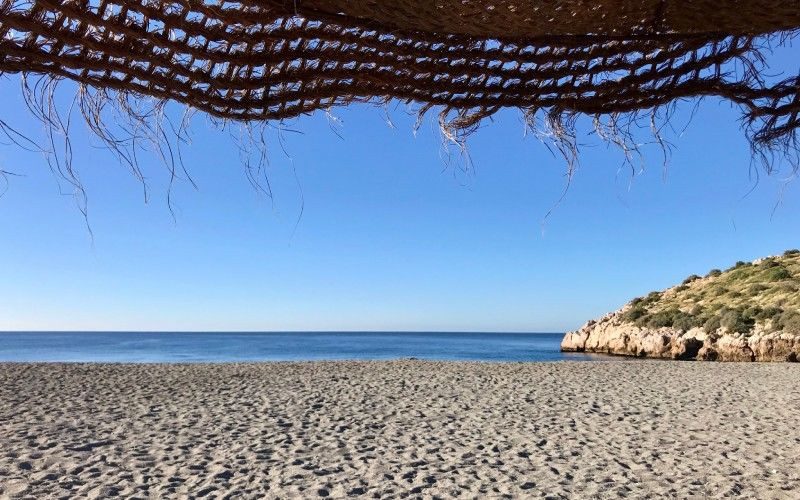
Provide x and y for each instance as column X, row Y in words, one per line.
column 748, row 312
column 611, row 334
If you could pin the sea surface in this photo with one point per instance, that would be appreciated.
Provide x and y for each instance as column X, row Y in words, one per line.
column 194, row 347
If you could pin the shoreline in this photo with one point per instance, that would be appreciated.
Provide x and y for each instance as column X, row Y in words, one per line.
column 596, row 357
column 397, row 429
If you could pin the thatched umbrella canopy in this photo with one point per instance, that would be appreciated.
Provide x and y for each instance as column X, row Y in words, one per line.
column 262, row 60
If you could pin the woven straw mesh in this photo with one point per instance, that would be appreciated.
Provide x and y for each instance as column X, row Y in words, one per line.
column 267, row 60
column 529, row 18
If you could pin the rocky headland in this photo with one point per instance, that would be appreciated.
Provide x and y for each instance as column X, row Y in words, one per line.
column 750, row 312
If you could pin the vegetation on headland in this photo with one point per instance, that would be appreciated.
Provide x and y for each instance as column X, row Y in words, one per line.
column 764, row 293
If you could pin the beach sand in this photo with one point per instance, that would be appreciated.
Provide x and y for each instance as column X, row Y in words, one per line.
column 400, row 429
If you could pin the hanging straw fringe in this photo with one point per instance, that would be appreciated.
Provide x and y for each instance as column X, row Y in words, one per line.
column 255, row 61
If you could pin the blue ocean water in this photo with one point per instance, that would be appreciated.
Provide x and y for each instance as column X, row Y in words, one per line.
column 185, row 347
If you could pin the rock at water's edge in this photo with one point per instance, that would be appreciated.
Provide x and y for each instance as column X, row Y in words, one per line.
column 610, row 335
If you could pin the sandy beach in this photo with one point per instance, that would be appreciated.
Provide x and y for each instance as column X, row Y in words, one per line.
column 400, row 429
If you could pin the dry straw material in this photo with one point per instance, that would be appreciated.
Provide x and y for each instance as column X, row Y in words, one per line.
column 260, row 60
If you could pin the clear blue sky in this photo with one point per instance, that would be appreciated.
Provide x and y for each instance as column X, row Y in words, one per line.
column 391, row 237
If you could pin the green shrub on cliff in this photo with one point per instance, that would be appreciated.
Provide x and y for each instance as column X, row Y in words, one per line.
column 770, row 262
column 769, row 314
column 739, row 264
column 736, row 321
column 685, row 321
column 789, row 321
column 663, row 318
column 778, row 274
column 635, row 313
column 711, row 324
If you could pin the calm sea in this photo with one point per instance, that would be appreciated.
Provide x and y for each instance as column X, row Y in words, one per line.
column 278, row 346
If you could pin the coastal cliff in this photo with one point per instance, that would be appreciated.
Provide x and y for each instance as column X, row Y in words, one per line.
column 750, row 312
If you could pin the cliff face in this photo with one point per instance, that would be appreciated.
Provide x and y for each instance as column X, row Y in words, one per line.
column 748, row 313
column 611, row 335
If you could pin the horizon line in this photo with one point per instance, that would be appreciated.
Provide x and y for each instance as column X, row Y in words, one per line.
column 282, row 331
